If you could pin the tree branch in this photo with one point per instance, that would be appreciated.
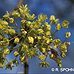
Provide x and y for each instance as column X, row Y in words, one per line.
column 20, row 2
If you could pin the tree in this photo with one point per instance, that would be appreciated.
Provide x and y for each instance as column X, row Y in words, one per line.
column 33, row 38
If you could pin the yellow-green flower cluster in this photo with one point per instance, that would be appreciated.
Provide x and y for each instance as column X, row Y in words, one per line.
column 6, row 51
column 11, row 20
column 16, row 14
column 6, row 16
column 63, row 47
column 16, row 53
column 24, row 48
column 67, row 43
column 16, row 41
column 56, row 42
column 58, row 60
column 43, row 50
column 22, row 59
column 4, row 43
column 23, row 9
column 31, row 40
column 34, row 36
column 40, row 31
column 44, row 64
column 53, row 20
column 41, row 57
column 2, row 65
column 42, row 18
column 11, row 31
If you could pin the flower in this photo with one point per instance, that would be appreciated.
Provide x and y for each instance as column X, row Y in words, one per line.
column 56, row 42
column 48, row 27
column 65, row 24
column 30, row 39
column 6, row 51
column 43, row 50
column 52, row 18
column 51, row 56
column 11, row 20
column 11, row 31
column 16, row 14
column 58, row 60
column 41, row 57
column 60, row 65
column 63, row 47
column 67, row 34
column 48, row 33
column 58, row 27
column 16, row 53
column 67, row 43
column 16, row 40
column 63, row 55
column 40, row 31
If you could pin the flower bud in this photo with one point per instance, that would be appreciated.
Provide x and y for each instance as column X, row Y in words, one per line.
column 51, row 56
column 48, row 27
column 11, row 20
column 67, row 34
column 63, row 55
column 11, row 31
column 30, row 39
column 1, row 65
column 22, row 59
column 40, row 31
column 63, row 47
column 41, row 57
column 5, row 23
column 58, row 60
column 24, row 32
column 15, row 14
column 16, row 41
column 52, row 18
column 67, row 44
column 58, row 27
column 43, row 50
column 59, row 65
column 6, row 16
column 6, row 51
column 48, row 33
column 56, row 20
column 16, row 53
column 23, row 21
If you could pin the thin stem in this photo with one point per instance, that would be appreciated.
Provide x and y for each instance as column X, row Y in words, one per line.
column 13, row 37
column 54, row 33
column 64, row 40
column 14, row 27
